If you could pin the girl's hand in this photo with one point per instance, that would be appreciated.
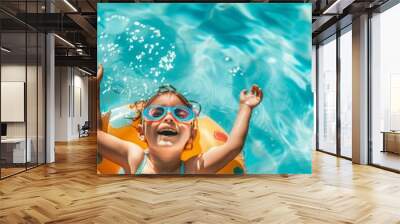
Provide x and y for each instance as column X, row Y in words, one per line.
column 252, row 98
column 99, row 73
column 102, row 121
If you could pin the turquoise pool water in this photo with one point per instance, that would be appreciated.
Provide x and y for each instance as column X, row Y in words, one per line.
column 210, row 52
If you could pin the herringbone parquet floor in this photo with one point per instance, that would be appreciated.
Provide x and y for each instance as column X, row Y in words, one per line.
column 70, row 191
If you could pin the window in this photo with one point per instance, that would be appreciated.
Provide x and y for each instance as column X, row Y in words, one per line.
column 327, row 96
column 346, row 93
column 385, row 89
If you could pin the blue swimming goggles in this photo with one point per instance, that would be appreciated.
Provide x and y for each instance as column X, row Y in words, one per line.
column 157, row 112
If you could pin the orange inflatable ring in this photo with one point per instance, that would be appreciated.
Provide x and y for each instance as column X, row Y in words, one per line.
column 209, row 134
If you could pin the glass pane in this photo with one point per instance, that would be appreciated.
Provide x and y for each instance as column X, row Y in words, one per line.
column 23, row 85
column 346, row 94
column 13, row 87
column 41, row 99
column 31, row 97
column 31, row 86
column 386, row 89
column 314, row 83
column 327, row 96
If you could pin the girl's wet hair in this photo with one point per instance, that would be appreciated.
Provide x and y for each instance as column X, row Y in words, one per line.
column 167, row 88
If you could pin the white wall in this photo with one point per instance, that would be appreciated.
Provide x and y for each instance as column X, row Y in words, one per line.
column 61, row 104
column 71, row 94
column 80, row 113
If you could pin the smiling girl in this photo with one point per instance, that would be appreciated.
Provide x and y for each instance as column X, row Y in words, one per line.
column 168, row 125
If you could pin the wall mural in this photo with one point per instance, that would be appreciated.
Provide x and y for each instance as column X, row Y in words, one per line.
column 205, row 88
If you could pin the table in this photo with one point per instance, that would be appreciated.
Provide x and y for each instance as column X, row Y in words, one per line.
column 391, row 141
column 13, row 150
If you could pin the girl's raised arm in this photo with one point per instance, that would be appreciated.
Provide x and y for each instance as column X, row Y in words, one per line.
column 217, row 157
column 124, row 153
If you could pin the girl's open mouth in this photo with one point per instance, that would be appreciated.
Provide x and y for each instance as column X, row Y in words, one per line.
column 167, row 132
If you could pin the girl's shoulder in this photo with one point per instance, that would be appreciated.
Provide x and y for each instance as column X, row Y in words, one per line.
column 136, row 157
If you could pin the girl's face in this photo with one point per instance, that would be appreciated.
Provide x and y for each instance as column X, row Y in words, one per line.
column 167, row 137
